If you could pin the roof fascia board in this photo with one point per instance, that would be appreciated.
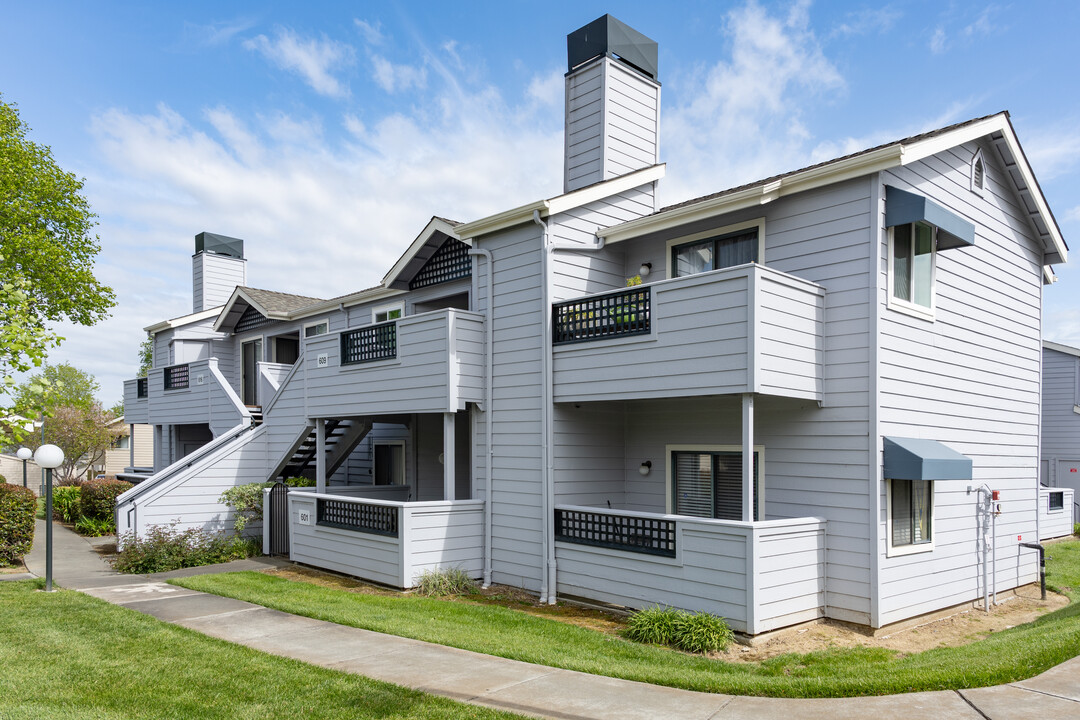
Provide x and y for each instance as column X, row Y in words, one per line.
column 358, row 298
column 561, row 203
column 434, row 225
column 238, row 294
column 1067, row 349
column 759, row 194
column 183, row 320
column 997, row 123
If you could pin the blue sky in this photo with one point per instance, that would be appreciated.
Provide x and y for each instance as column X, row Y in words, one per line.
column 326, row 134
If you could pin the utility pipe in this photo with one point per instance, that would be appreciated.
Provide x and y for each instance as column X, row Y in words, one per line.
column 489, row 332
column 986, row 505
column 1042, row 565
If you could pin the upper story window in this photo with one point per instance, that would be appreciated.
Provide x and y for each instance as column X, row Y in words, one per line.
column 314, row 329
column 387, row 313
column 913, row 259
column 717, row 249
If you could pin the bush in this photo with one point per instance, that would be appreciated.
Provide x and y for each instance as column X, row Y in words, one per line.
column 444, row 581
column 1076, row 529
column 18, row 506
column 3, row 480
column 691, row 632
column 95, row 527
column 66, row 503
column 167, row 548
column 299, row 482
column 97, row 500
column 247, row 500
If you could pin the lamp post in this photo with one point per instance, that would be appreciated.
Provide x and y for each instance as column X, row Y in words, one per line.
column 48, row 457
column 24, row 454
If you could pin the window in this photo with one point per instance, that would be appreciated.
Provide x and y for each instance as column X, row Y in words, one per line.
column 716, row 249
column 1055, row 501
column 912, row 264
column 389, row 463
column 314, row 329
column 386, row 313
column 120, row 442
column 910, row 513
column 707, row 482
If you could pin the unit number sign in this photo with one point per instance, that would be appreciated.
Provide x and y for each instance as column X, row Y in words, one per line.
column 303, row 516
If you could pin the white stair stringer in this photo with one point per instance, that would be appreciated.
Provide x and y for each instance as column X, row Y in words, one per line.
column 188, row 491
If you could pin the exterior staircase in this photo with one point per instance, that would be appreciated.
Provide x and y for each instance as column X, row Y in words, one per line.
column 342, row 437
column 256, row 414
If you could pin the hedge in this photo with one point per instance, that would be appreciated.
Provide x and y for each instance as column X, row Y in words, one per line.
column 97, row 500
column 18, row 506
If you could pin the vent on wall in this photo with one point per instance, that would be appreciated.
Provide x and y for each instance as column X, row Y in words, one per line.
column 978, row 172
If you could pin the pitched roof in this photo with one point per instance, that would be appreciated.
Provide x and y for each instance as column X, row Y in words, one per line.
column 278, row 302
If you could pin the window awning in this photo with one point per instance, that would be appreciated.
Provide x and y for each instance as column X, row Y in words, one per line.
column 913, row 459
column 902, row 207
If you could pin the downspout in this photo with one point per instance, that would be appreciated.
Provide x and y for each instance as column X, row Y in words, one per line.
column 1038, row 425
column 489, row 332
column 873, row 419
column 547, row 495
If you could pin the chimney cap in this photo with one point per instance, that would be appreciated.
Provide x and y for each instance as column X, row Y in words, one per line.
column 609, row 36
column 206, row 242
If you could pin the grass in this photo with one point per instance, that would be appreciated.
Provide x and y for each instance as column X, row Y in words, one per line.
column 68, row 655
column 1007, row 656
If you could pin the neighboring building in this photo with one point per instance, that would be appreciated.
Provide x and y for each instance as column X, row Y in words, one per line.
column 1059, row 470
column 800, row 412
column 132, row 450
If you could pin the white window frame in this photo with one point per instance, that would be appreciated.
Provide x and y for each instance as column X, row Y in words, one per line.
column 906, row 306
column 374, row 455
column 669, row 479
column 378, row 309
column 911, row 549
column 758, row 223
column 1052, row 491
column 325, row 324
column 976, row 159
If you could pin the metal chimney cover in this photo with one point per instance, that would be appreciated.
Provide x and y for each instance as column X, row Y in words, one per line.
column 219, row 245
column 609, row 36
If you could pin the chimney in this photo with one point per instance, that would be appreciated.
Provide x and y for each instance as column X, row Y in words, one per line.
column 217, row 267
column 612, row 103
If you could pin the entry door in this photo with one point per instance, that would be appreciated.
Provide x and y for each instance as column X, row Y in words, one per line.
column 252, row 354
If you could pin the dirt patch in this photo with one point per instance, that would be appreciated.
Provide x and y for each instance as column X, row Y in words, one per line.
column 964, row 627
column 19, row 568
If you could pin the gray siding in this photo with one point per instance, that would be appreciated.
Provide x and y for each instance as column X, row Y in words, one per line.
column 745, row 329
column 135, row 408
column 1060, row 419
column 214, row 277
column 208, row 399
column 970, row 379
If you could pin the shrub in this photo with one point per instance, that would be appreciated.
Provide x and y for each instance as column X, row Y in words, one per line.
column 444, row 581
column 66, row 503
column 701, row 633
column 1076, row 529
column 97, row 500
column 18, row 506
column 95, row 527
column 3, row 480
column 299, row 482
column 247, row 501
column 167, row 548
column 691, row 632
column 653, row 625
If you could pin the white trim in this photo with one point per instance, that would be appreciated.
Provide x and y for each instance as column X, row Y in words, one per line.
column 388, row 308
column 759, row 223
column 759, row 494
column 184, row 320
column 1067, row 349
column 905, row 306
column 912, row 549
column 434, row 225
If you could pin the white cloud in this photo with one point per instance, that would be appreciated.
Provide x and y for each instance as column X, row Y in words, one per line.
column 984, row 24
column 217, row 33
column 548, row 89
column 372, row 33
column 315, row 61
column 938, row 40
column 742, row 121
column 395, row 78
column 1053, row 151
column 867, row 21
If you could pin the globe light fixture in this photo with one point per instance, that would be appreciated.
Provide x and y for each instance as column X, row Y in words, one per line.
column 24, row 454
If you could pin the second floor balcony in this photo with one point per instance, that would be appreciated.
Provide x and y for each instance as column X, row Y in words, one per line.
column 192, row 393
column 746, row 329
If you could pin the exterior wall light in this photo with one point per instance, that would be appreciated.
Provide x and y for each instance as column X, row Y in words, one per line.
column 646, row 467
column 645, row 269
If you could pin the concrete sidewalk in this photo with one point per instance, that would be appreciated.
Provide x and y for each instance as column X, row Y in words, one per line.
column 508, row 684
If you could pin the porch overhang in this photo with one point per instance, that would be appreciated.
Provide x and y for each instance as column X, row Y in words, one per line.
column 902, row 207
column 915, row 459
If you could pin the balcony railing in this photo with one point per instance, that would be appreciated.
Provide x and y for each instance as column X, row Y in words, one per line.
column 358, row 516
column 141, row 388
column 176, row 377
column 653, row 536
column 613, row 315
column 368, row 344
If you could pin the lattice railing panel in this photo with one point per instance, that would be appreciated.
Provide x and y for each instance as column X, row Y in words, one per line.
column 654, row 536
column 358, row 516
column 606, row 316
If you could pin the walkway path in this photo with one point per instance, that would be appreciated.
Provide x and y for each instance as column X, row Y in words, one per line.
column 508, row 684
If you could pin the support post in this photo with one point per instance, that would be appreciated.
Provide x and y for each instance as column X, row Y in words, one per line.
column 748, row 457
column 131, row 445
column 449, row 487
column 320, row 456
column 48, row 530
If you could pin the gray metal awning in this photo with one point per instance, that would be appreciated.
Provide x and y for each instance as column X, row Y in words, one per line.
column 903, row 207
column 913, row 459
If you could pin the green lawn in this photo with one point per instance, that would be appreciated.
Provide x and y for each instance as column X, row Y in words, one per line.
column 68, row 655
column 1007, row 656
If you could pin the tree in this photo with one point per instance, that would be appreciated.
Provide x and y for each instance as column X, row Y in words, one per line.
column 55, row 386
column 47, row 252
column 84, row 436
column 146, row 356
